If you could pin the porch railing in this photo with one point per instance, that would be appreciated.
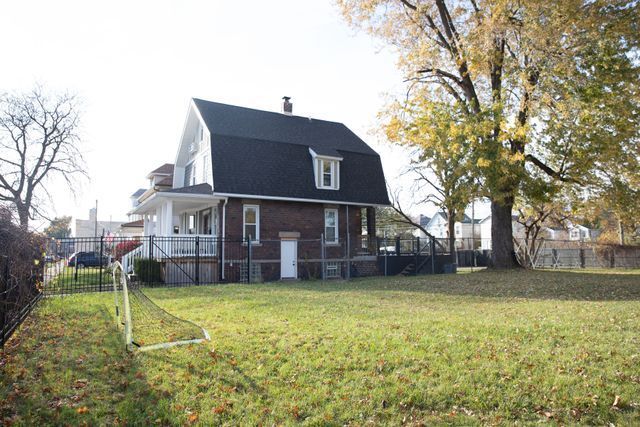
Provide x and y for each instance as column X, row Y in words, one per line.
column 175, row 246
column 185, row 245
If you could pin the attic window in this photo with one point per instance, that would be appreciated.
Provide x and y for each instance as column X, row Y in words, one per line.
column 328, row 174
column 326, row 170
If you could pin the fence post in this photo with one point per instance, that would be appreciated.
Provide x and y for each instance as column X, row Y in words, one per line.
column 322, row 256
column 150, row 258
column 197, row 260
column 612, row 263
column 582, row 260
column 417, row 255
column 398, row 246
column 433, row 255
column 3, row 302
column 101, row 256
column 249, row 259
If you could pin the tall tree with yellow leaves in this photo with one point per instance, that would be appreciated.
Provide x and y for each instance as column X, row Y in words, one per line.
column 539, row 85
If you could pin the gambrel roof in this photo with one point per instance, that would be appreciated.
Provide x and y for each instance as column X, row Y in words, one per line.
column 266, row 154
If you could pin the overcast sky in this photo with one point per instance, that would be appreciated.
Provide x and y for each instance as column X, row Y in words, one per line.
column 136, row 64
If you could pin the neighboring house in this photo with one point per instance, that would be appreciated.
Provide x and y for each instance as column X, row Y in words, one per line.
column 580, row 233
column 94, row 228
column 438, row 226
column 241, row 174
column 423, row 220
column 134, row 203
column 132, row 229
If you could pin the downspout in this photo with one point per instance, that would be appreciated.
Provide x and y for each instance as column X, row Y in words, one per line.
column 224, row 226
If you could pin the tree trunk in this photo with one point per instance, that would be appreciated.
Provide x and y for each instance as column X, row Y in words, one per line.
column 451, row 224
column 502, row 251
column 23, row 215
column 621, row 232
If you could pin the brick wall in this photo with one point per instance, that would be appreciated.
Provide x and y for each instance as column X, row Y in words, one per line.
column 304, row 218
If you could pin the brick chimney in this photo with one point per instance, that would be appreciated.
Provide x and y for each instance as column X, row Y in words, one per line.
column 287, row 107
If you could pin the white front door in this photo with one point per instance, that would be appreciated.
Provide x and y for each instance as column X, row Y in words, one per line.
column 289, row 259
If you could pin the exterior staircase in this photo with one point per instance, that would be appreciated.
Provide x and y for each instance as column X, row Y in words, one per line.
column 409, row 270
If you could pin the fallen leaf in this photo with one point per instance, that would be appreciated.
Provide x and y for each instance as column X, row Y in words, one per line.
column 616, row 402
column 82, row 410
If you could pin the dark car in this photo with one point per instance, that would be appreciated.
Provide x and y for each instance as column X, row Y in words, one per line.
column 86, row 259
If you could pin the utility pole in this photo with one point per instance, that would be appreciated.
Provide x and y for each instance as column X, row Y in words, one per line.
column 95, row 227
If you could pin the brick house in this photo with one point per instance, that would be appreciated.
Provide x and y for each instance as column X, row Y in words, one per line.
column 277, row 179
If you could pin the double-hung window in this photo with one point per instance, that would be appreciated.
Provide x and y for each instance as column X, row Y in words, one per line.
column 331, row 226
column 326, row 169
column 251, row 222
column 327, row 174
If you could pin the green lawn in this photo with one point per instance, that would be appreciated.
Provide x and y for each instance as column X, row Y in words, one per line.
column 70, row 279
column 476, row 348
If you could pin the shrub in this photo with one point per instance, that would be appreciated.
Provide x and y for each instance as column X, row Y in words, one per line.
column 147, row 270
column 124, row 248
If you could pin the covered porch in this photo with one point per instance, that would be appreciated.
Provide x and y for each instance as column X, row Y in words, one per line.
column 171, row 213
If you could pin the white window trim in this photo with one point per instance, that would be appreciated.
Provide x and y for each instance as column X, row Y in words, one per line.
column 318, row 171
column 256, row 238
column 335, row 173
column 337, row 235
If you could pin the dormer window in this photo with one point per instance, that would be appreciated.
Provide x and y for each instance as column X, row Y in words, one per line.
column 326, row 171
column 328, row 176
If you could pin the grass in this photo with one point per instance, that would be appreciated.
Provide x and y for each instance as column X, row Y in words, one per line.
column 476, row 348
column 71, row 279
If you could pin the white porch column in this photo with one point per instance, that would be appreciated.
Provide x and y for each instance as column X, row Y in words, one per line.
column 168, row 218
column 158, row 228
column 145, row 225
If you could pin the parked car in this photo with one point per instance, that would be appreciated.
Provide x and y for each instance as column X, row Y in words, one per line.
column 87, row 259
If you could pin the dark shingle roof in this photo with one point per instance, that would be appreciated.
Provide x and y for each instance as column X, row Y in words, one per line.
column 267, row 154
column 192, row 189
column 139, row 192
column 166, row 169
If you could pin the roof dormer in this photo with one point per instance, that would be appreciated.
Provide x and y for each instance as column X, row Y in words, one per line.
column 326, row 168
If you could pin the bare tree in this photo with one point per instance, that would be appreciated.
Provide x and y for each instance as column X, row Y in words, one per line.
column 38, row 140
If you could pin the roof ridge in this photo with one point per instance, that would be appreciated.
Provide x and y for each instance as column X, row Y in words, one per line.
column 270, row 112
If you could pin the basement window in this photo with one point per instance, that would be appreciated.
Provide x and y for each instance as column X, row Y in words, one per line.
column 332, row 270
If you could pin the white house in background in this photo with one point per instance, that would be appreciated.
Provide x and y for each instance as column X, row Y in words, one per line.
column 579, row 232
column 485, row 231
column 423, row 220
column 438, row 227
column 134, row 204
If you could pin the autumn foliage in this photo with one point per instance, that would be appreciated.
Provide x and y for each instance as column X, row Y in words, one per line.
column 125, row 247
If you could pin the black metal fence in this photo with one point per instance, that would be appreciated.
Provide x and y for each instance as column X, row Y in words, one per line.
column 19, row 293
column 84, row 264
